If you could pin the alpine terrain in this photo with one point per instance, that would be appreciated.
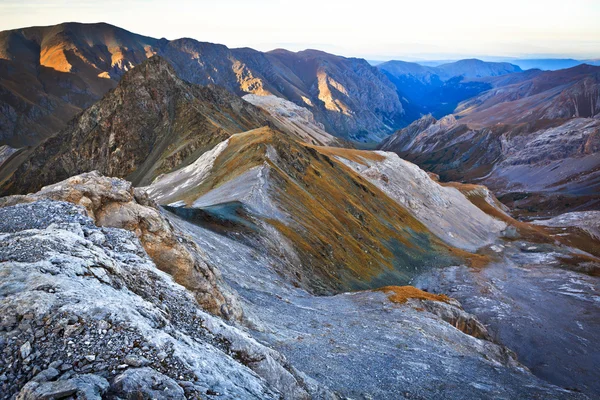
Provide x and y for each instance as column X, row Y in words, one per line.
column 182, row 220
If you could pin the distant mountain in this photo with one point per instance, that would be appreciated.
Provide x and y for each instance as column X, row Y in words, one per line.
column 534, row 138
column 49, row 74
column 547, row 64
column 474, row 68
column 438, row 90
column 534, row 96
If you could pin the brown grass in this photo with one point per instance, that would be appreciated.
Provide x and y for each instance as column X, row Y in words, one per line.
column 357, row 156
column 340, row 224
column 401, row 294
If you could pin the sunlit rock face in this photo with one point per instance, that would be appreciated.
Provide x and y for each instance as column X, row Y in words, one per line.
column 296, row 120
column 53, row 73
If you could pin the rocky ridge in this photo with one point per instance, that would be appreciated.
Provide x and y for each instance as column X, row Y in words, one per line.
column 114, row 203
column 86, row 313
column 336, row 230
column 151, row 123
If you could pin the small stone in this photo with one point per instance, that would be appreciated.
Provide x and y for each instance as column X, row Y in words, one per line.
column 55, row 364
column 136, row 361
column 25, row 350
column 66, row 367
column 47, row 390
column 90, row 357
column 46, row 375
column 90, row 387
column 146, row 383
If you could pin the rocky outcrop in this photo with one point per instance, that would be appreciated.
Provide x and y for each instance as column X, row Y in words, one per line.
column 293, row 119
column 85, row 312
column 114, row 203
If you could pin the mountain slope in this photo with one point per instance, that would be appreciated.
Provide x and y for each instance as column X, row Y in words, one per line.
column 151, row 123
column 533, row 139
column 551, row 95
column 341, row 232
column 48, row 74
column 294, row 119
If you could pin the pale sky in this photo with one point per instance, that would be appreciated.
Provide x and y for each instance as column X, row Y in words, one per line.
column 373, row 29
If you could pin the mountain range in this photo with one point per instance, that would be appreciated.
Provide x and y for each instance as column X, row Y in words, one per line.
column 438, row 90
column 49, row 74
column 184, row 220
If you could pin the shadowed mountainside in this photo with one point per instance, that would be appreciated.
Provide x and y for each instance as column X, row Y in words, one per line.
column 151, row 123
column 438, row 90
column 533, row 139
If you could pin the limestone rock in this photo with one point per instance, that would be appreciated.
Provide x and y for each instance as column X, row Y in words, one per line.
column 115, row 203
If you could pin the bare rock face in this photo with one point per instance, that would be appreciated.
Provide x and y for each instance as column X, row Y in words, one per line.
column 297, row 120
column 112, row 202
column 444, row 210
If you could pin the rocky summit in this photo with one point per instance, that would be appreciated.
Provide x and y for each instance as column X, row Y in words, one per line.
column 184, row 220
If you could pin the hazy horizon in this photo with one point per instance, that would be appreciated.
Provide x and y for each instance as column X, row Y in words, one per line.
column 429, row 30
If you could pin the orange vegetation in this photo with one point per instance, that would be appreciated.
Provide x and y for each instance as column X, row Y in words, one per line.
column 358, row 156
column 400, row 294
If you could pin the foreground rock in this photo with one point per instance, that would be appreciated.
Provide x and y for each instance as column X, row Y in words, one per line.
column 112, row 202
column 81, row 304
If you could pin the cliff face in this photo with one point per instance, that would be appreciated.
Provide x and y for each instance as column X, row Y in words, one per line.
column 49, row 74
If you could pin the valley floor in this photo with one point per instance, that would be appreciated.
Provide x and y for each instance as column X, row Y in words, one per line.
column 548, row 315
